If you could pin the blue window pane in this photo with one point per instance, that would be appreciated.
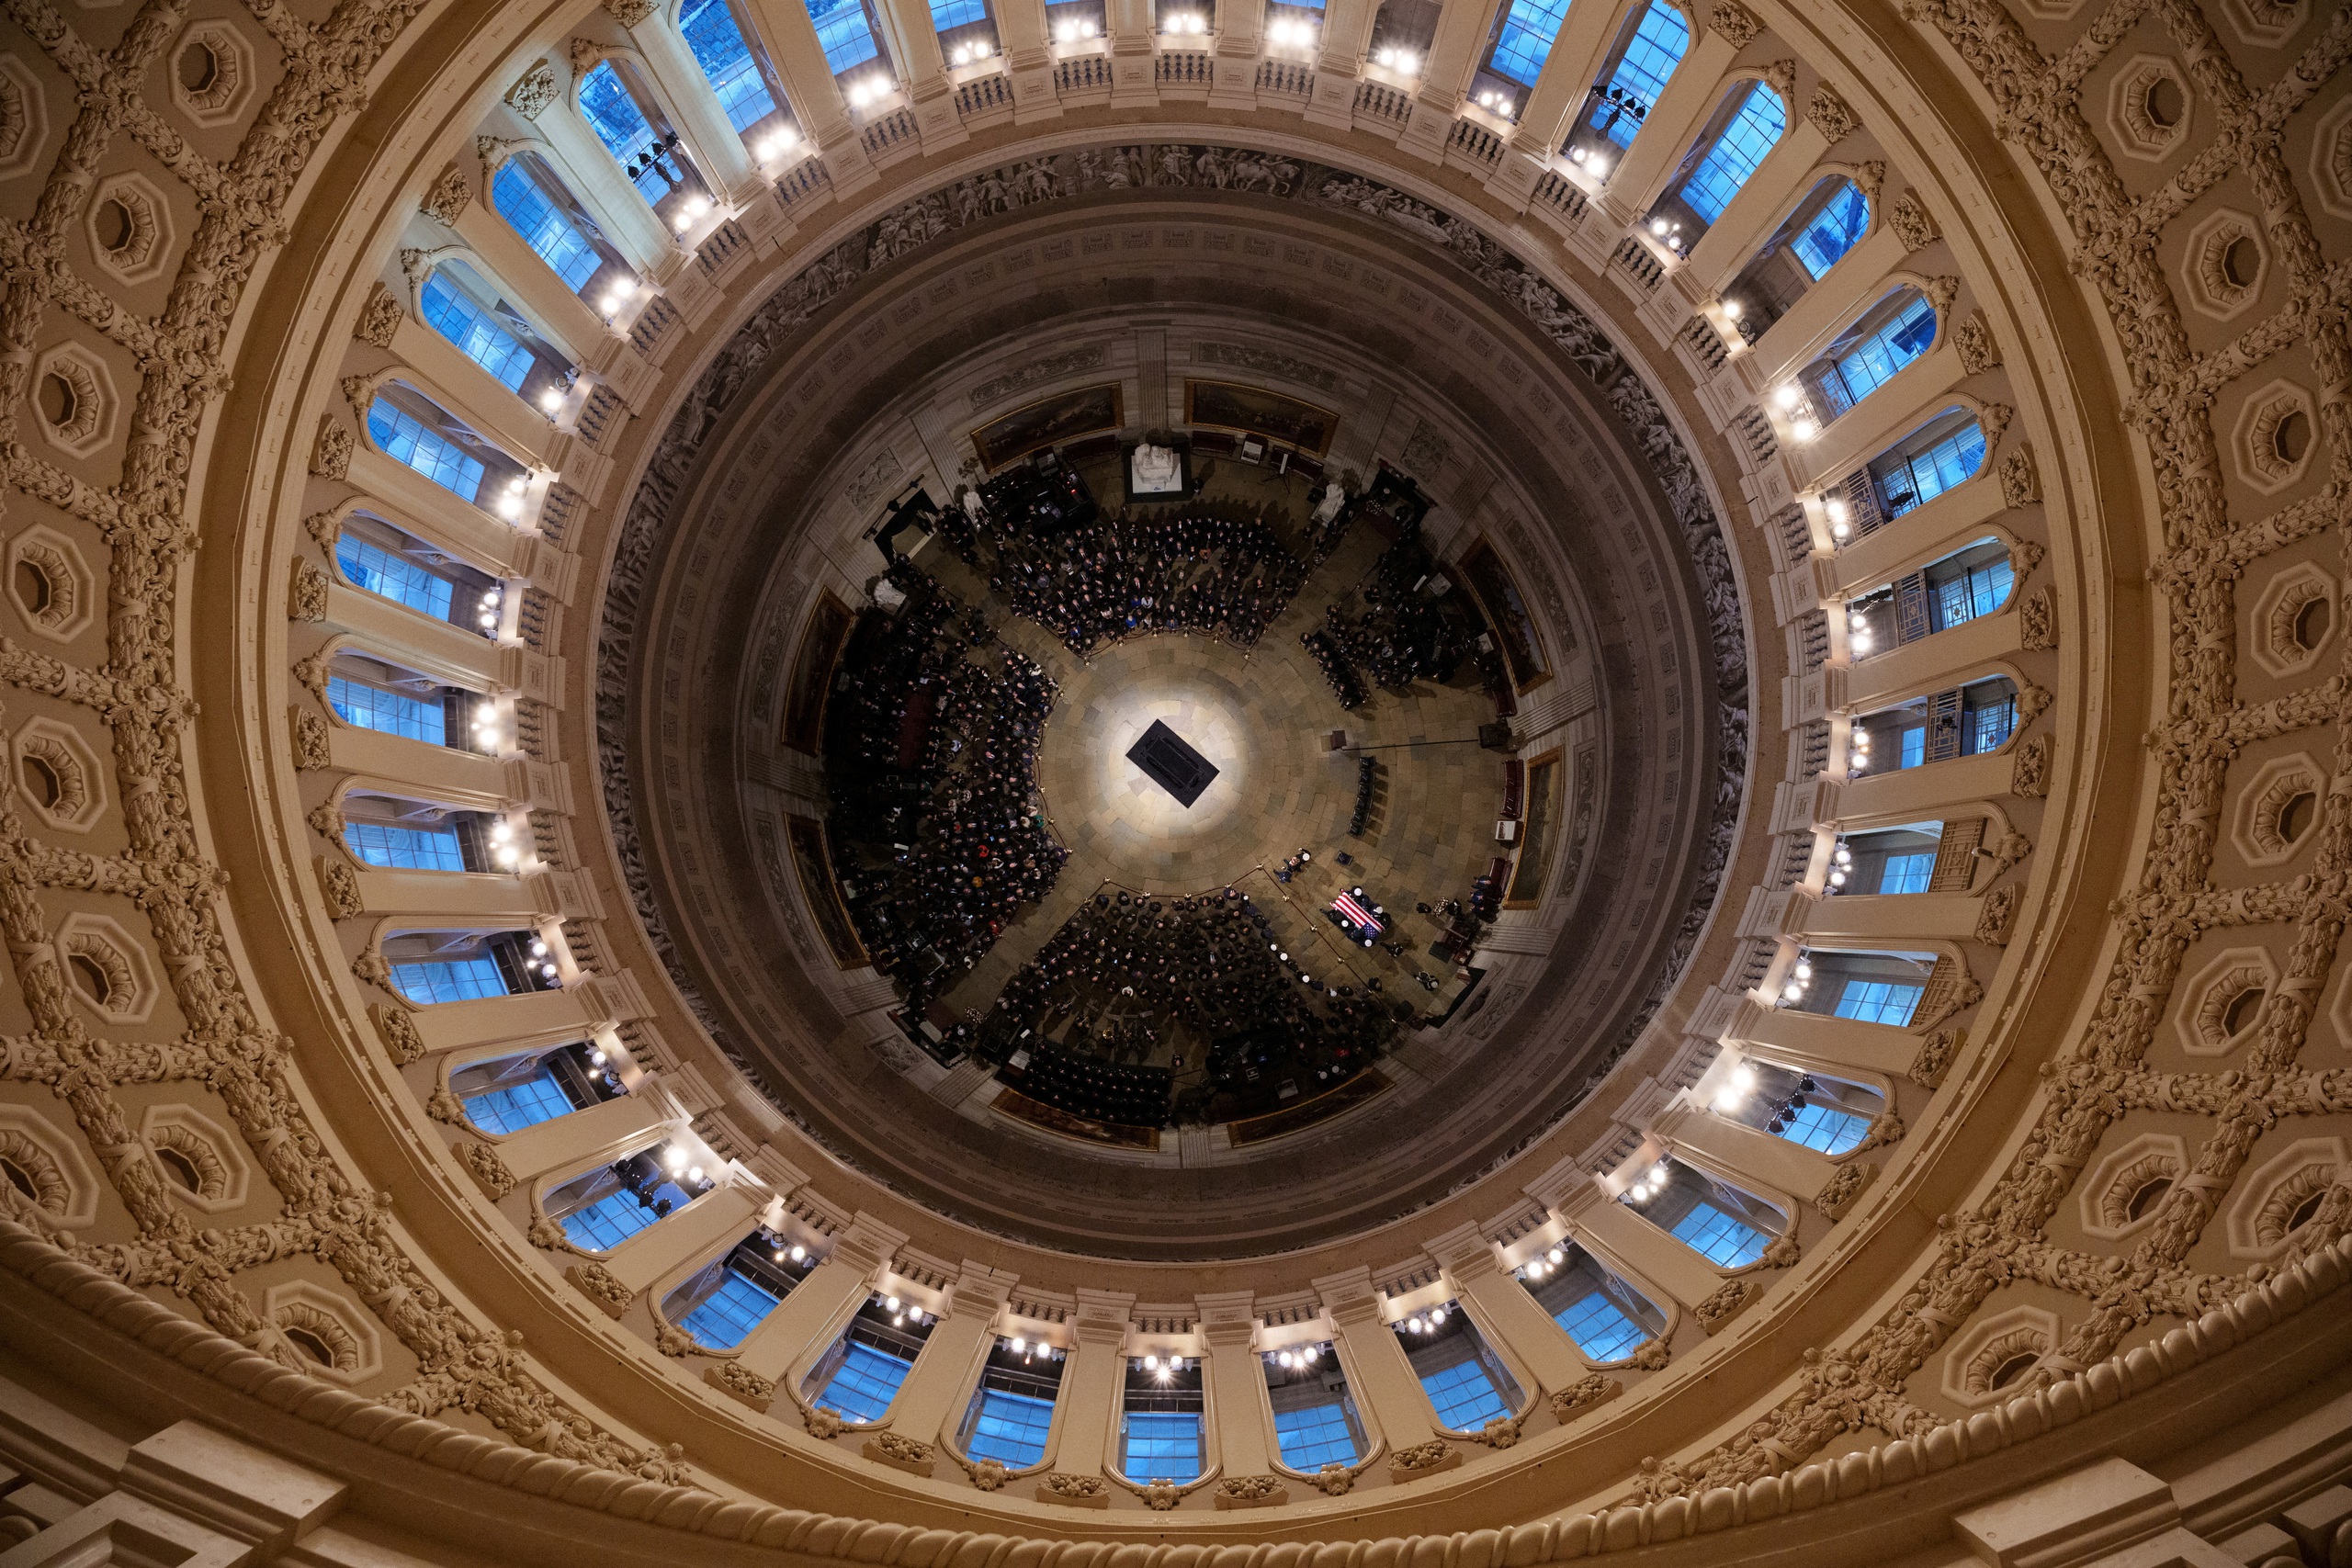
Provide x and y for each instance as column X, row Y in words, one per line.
column 1010, row 1428
column 403, row 438
column 1873, row 362
column 1658, row 47
column 545, row 227
column 463, row 980
column 621, row 125
column 1717, row 1237
column 1161, row 1446
column 1979, row 590
column 479, row 336
column 1937, row 470
column 389, row 712
column 864, row 1384
column 608, row 1222
column 1906, row 873
column 1835, row 230
column 1878, row 1001
column 1314, row 1436
column 1525, row 41
column 1989, row 726
column 946, row 14
column 1736, row 152
column 1830, row 1131
column 1463, row 1396
column 404, row 848
column 842, row 29
column 516, row 1106
column 380, row 572
column 1599, row 1329
column 1915, row 746
column 726, row 59
column 730, row 1313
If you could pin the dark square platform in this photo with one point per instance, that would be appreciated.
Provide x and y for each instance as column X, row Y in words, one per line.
column 1172, row 764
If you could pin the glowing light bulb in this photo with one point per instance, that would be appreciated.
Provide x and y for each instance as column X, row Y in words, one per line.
column 551, row 399
column 1732, row 310
column 694, row 1174
column 1557, row 1254
column 1657, row 225
column 538, row 949
column 510, row 507
column 1727, row 1098
column 1437, row 1317
column 1285, row 1360
column 1416, row 1326
column 1805, row 970
column 675, row 1159
column 1597, row 164
column 1804, row 428
column 799, row 1254
column 1019, row 1344
column 891, row 1301
column 610, row 304
column 682, row 222
column 1151, row 1363
column 1787, row 394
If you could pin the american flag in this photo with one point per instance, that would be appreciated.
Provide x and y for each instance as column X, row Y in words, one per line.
column 1355, row 914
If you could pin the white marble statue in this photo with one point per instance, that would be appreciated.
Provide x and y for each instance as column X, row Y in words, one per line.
column 1335, row 496
column 1155, row 470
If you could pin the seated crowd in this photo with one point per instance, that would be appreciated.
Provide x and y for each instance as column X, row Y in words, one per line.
column 932, row 742
column 1092, row 579
column 1202, row 977
column 1400, row 635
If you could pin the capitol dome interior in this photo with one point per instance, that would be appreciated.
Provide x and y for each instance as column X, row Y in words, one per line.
column 1175, row 784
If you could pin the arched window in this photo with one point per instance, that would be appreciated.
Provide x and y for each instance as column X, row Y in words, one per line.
column 1523, row 38
column 394, row 564
column 416, row 835
column 1871, row 352
column 1961, row 587
column 1467, row 1384
column 1928, row 462
column 433, row 967
column 967, row 29
column 1961, row 722
column 1828, row 223
column 1161, row 1410
column 1608, row 1319
column 1638, row 67
column 605, row 1207
column 628, row 120
column 1722, row 161
column 1829, row 1115
column 460, row 305
column 845, row 30
column 1723, row 1224
column 722, row 1305
column 411, row 429
column 1012, row 1412
column 1315, row 1422
column 861, row 1374
column 507, row 1094
column 1866, row 987
column 537, row 206
column 373, row 691
column 737, row 68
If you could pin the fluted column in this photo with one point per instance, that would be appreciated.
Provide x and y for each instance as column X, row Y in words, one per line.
column 1691, row 95
column 1714, row 1143
column 1347, row 28
column 1590, row 28
column 1935, row 659
column 1858, row 277
column 915, row 46
column 1092, row 1375
column 1461, row 27
column 490, row 405
column 1381, row 1374
column 1953, row 520
column 412, row 493
column 490, row 901
column 532, row 1018
column 626, row 218
column 1808, row 1040
column 799, row 59
column 1892, row 916
column 435, row 647
column 811, row 1315
column 597, row 1136
column 559, row 313
column 1235, row 1380
column 1239, row 26
column 1500, row 1306
column 1021, row 35
column 718, row 147
column 1634, row 1249
column 1860, row 432
column 1914, row 793
column 712, row 1223
column 943, row 1376
column 1130, row 26
column 430, row 771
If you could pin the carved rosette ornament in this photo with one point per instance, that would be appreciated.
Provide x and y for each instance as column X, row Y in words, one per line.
column 1845, row 1184
column 820, row 1422
column 443, row 1106
column 1735, row 21
column 629, row 13
column 2021, row 480
column 1499, row 1432
column 402, row 1041
column 1160, row 1496
column 1781, row 1254
column 546, row 1233
column 1781, row 77
column 379, row 318
column 1831, row 115
column 1973, row 340
column 2029, row 774
column 988, row 1474
column 1251, row 1492
column 306, row 597
column 449, row 197
column 1335, row 1480
column 2037, row 623
column 331, row 450
column 1729, row 1300
column 736, row 1379
column 900, row 1452
column 534, row 90
column 672, row 1340
column 1913, row 225
column 482, row 1161
column 1081, row 1491
column 1651, row 1356
column 1999, row 913
column 1586, row 1393
column 341, row 885
column 601, row 1285
column 1422, row 1459
column 1933, row 1059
